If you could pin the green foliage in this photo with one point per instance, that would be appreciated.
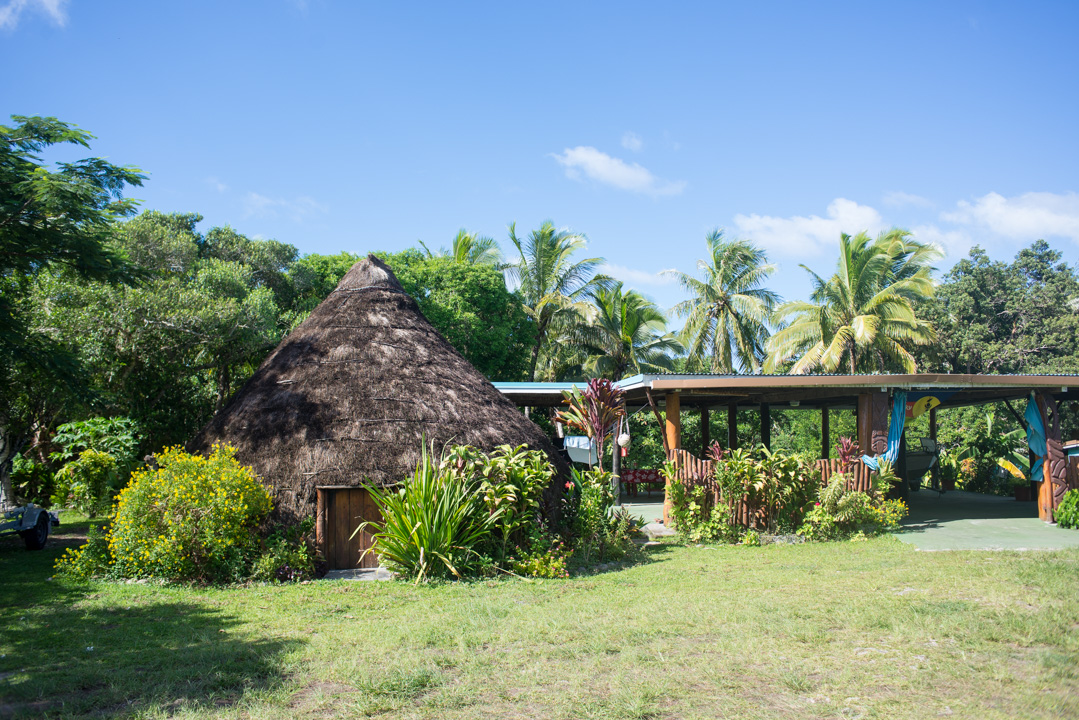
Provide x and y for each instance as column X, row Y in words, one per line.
column 626, row 335
column 117, row 436
column 998, row 317
column 865, row 317
column 596, row 533
column 432, row 524
column 1067, row 513
column 981, row 444
column 89, row 483
column 840, row 513
column 470, row 305
column 192, row 519
column 288, row 554
column 32, row 481
column 90, row 560
column 552, row 290
column 594, row 412
column 727, row 314
column 549, row 562
column 510, row 481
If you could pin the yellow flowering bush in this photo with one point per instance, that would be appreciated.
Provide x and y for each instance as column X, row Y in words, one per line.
column 193, row 518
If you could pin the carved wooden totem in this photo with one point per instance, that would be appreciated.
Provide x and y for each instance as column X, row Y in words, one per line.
column 1056, row 462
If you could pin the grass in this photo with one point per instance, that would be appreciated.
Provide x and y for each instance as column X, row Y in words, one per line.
column 872, row 630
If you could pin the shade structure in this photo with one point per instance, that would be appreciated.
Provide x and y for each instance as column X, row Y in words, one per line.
column 352, row 394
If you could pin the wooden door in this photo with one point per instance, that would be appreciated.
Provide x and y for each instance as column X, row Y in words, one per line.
column 344, row 510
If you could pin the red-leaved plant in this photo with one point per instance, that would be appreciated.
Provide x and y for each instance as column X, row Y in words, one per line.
column 594, row 412
column 848, row 453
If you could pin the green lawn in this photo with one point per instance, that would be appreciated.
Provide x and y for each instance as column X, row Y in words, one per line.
column 871, row 629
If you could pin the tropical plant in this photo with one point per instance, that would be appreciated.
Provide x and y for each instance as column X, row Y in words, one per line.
column 865, row 317
column 89, row 483
column 1067, row 513
column 193, row 518
column 840, row 513
column 431, row 524
column 551, row 283
column 727, row 315
column 626, row 334
column 471, row 249
column 594, row 412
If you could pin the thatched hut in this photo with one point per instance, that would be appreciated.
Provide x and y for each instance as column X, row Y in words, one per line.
column 350, row 397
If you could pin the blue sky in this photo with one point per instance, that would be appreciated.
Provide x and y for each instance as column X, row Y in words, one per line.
column 363, row 126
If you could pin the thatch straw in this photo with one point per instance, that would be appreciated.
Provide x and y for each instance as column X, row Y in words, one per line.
column 349, row 396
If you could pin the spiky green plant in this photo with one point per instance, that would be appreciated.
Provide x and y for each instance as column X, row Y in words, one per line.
column 431, row 524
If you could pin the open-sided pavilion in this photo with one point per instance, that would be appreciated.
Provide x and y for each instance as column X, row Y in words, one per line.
column 869, row 396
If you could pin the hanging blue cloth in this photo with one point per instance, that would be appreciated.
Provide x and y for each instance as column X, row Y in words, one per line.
column 1035, row 437
column 895, row 431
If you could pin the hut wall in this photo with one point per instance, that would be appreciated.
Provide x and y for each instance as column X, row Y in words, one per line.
column 341, row 511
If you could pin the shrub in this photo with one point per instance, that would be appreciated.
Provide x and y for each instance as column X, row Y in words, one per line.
column 552, row 562
column 287, row 554
column 32, row 481
column 90, row 560
column 841, row 513
column 511, row 481
column 432, row 524
column 1067, row 513
column 191, row 519
column 88, row 484
column 118, row 437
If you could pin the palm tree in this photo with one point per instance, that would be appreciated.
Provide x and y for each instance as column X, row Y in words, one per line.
column 728, row 311
column 551, row 284
column 627, row 334
column 471, row 249
column 864, row 315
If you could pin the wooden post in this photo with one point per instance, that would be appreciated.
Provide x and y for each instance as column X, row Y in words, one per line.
column 732, row 426
column 673, row 436
column 706, row 433
column 320, row 521
column 825, row 435
column 873, row 423
column 674, row 421
column 766, row 425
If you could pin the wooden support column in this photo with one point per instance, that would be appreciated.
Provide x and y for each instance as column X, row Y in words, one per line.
column 766, row 425
column 732, row 426
column 673, row 437
column 674, row 421
column 706, row 433
column 873, row 422
column 825, row 434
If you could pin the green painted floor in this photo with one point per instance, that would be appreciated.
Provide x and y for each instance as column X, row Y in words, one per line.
column 646, row 506
column 960, row 520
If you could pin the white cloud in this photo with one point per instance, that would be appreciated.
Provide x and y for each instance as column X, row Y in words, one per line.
column 10, row 13
column 632, row 141
column 1026, row 217
column 805, row 236
column 601, row 167
column 216, row 184
column 955, row 243
column 898, row 198
column 637, row 277
column 256, row 205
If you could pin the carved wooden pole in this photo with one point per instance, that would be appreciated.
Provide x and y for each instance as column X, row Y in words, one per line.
column 825, row 435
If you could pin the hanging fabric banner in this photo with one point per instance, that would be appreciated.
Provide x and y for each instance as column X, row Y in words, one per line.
column 1035, row 437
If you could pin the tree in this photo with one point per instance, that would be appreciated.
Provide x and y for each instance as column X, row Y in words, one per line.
column 626, row 335
column 469, row 248
column 552, row 285
column 865, row 315
column 728, row 311
column 315, row 276
column 471, row 307
column 998, row 317
column 49, row 218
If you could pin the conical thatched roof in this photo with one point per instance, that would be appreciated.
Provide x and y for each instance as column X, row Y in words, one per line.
column 349, row 396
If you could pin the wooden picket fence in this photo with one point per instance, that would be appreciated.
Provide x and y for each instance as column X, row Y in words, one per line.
column 692, row 470
column 861, row 479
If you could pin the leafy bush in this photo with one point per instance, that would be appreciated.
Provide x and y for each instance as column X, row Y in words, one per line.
column 88, row 484
column 98, row 455
column 90, row 560
column 192, row 519
column 32, row 481
column 432, row 524
column 288, row 554
column 511, row 481
column 550, row 563
column 1067, row 513
column 841, row 513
